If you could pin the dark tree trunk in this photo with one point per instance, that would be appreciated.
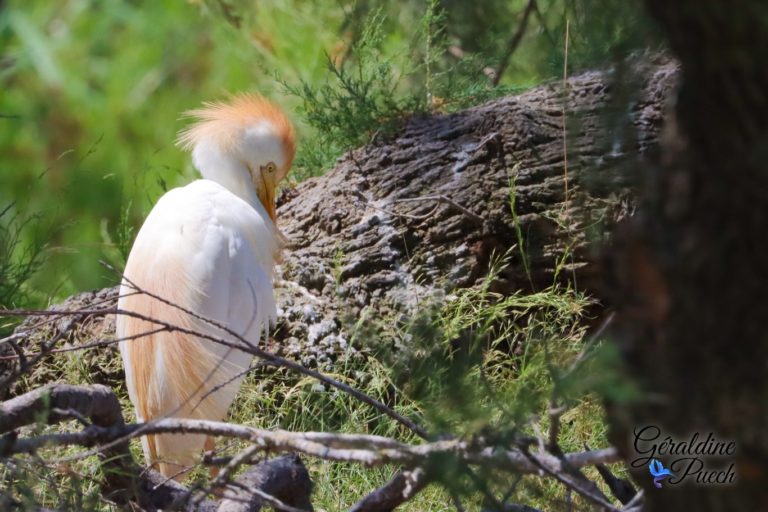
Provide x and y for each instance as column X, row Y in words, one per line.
column 691, row 268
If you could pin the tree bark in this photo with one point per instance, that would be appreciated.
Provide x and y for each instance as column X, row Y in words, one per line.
column 284, row 478
column 363, row 238
column 406, row 219
column 690, row 269
column 401, row 221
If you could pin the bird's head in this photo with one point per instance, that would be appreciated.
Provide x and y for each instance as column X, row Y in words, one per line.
column 246, row 144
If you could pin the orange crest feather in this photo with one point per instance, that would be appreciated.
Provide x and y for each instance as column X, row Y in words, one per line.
column 223, row 122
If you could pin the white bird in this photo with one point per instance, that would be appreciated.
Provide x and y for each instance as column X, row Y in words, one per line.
column 209, row 247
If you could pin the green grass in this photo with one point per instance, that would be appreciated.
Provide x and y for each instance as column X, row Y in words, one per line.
column 477, row 363
column 92, row 94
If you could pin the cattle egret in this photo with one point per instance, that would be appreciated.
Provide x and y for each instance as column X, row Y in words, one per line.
column 210, row 248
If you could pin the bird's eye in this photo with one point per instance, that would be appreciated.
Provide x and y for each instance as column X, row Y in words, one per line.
column 271, row 167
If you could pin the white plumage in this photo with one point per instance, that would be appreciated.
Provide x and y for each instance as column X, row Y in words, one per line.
column 209, row 247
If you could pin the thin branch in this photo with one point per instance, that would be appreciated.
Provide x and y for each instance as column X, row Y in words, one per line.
column 223, row 477
column 592, row 494
column 281, row 361
column 240, row 344
column 338, row 447
column 445, row 200
column 370, row 204
column 555, row 413
column 92, row 344
column 14, row 375
column 514, row 42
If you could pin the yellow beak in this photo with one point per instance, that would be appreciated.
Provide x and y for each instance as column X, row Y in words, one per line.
column 267, row 198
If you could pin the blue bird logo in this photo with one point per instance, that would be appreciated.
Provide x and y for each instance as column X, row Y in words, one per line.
column 659, row 472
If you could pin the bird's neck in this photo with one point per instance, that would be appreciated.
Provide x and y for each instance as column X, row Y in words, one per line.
column 228, row 172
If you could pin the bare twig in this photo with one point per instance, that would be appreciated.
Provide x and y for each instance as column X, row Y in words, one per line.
column 224, row 475
column 445, row 200
column 100, row 405
column 85, row 346
column 239, row 344
column 246, row 346
column 57, row 402
column 586, row 489
column 370, row 204
column 279, row 483
column 339, row 447
column 14, row 375
column 554, row 427
column 514, row 42
column 439, row 198
column 621, row 488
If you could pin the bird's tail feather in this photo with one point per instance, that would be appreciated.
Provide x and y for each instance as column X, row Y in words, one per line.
column 172, row 374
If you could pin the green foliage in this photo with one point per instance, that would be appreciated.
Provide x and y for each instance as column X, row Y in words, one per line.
column 20, row 258
column 371, row 90
column 516, row 221
column 359, row 100
column 17, row 262
column 92, row 90
column 118, row 241
column 91, row 94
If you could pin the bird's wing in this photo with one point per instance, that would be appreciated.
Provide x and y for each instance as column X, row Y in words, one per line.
column 204, row 249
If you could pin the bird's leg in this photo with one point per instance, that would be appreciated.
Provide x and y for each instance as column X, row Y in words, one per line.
column 210, row 446
column 213, row 471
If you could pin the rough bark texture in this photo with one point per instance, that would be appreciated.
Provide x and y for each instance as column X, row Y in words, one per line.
column 284, row 478
column 402, row 487
column 691, row 267
column 407, row 219
column 357, row 246
column 359, row 243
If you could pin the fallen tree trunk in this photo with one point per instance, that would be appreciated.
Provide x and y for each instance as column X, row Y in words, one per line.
column 398, row 221
column 405, row 219
column 402, row 220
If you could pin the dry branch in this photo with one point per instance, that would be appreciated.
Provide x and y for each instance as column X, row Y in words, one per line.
column 107, row 432
column 401, row 488
column 375, row 451
column 283, row 479
column 240, row 343
column 455, row 165
column 110, row 435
